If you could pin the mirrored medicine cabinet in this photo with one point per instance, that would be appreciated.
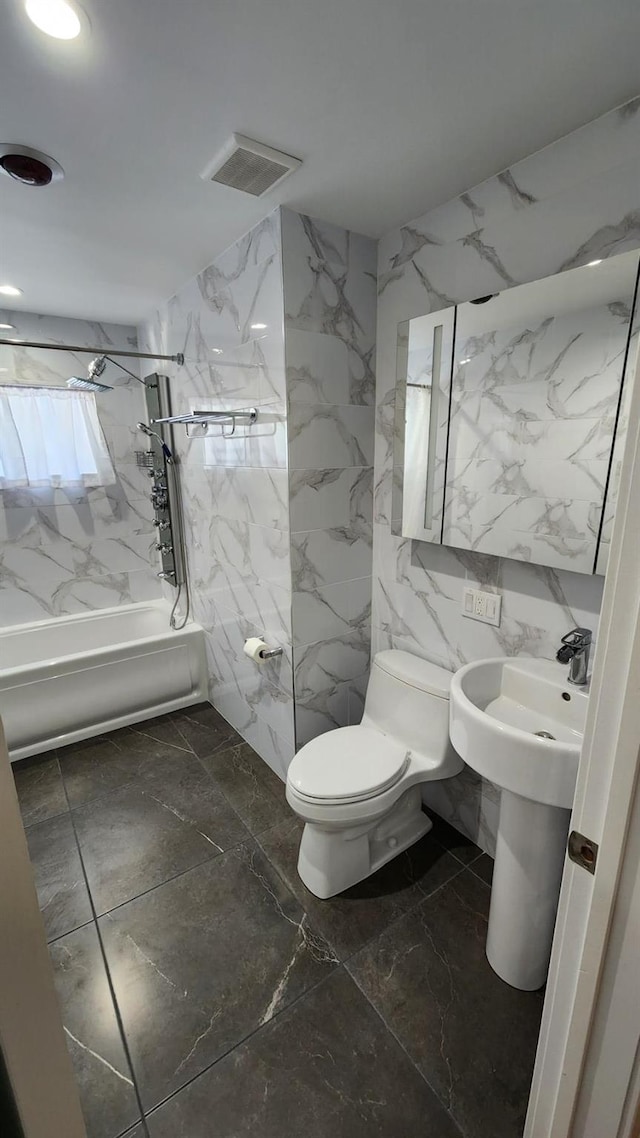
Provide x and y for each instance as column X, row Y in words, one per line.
column 510, row 417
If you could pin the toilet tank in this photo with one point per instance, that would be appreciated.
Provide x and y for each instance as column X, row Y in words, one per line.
column 408, row 699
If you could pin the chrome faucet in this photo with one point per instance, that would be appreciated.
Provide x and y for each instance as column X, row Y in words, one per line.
column 574, row 651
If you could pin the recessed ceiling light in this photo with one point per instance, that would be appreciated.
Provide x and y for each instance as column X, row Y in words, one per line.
column 7, row 327
column 258, row 327
column 590, row 264
column 28, row 166
column 55, row 18
column 10, row 290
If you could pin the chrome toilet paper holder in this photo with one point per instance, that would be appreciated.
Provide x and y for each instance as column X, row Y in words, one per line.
column 270, row 653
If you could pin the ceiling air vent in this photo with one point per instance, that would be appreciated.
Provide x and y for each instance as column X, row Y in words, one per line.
column 249, row 166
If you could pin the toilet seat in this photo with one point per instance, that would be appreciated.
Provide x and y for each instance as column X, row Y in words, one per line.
column 350, row 764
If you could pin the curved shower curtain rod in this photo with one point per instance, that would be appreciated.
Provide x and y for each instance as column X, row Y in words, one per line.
column 177, row 359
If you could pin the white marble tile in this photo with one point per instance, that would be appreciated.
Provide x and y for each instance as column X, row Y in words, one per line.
column 469, row 803
column 39, row 570
column 275, row 750
column 267, row 440
column 357, row 696
column 228, row 311
column 331, row 611
column 324, row 436
column 20, row 526
column 241, row 494
column 244, row 691
column 325, row 711
column 19, row 606
column 330, row 498
column 85, row 523
column 259, row 244
column 332, row 661
column 323, row 557
column 317, row 368
column 329, row 287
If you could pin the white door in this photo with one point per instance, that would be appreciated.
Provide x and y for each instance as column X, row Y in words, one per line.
column 586, row 1078
column 31, row 1035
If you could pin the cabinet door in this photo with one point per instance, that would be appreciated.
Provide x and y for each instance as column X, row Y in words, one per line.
column 423, row 389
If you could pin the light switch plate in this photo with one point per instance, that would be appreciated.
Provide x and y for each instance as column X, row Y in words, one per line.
column 478, row 605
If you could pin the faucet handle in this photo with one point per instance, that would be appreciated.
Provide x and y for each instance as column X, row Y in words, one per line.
column 572, row 643
column 578, row 638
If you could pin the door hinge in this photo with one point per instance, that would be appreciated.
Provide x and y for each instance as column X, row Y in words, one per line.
column 583, row 851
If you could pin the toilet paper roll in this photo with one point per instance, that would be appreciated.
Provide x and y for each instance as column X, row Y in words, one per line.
column 254, row 647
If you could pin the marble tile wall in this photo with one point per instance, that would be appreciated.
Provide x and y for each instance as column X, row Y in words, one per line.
column 70, row 549
column 575, row 201
column 279, row 517
column 330, row 315
column 228, row 322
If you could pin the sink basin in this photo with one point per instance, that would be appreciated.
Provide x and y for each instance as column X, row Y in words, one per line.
column 502, row 714
column 518, row 722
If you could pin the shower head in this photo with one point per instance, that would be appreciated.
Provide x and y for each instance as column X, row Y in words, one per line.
column 146, row 430
column 78, row 383
column 97, row 366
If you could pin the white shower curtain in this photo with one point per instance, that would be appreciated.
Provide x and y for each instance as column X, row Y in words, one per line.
column 51, row 437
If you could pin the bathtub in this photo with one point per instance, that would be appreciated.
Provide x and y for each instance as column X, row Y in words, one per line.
column 72, row 677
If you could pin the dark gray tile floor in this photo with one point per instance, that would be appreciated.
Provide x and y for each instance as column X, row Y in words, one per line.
column 165, row 862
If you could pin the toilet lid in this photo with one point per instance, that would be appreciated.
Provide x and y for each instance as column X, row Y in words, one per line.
column 350, row 763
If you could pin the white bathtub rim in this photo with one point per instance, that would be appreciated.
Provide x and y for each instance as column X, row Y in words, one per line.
column 60, row 661
column 93, row 654
column 160, row 606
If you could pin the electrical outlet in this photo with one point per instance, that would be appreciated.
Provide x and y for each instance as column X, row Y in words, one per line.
column 478, row 605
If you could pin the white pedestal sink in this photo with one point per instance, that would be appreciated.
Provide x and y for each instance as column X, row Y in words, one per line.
column 518, row 722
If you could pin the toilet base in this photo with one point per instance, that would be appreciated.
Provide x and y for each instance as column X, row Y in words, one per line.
column 332, row 858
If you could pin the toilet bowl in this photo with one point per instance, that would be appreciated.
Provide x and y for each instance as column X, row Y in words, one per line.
column 358, row 788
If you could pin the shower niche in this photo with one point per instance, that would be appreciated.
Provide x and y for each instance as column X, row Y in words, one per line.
column 159, row 461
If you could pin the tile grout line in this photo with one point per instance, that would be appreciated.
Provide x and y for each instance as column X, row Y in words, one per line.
column 95, row 918
column 174, row 877
column 455, row 877
column 245, row 1038
column 212, row 857
column 254, row 838
column 407, row 912
column 133, row 780
column 415, row 1066
column 423, row 897
column 145, row 892
column 477, row 875
column 112, row 992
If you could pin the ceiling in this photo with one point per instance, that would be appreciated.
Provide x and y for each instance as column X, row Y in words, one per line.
column 393, row 107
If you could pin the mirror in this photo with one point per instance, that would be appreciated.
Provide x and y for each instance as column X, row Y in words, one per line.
column 423, row 399
column 510, row 418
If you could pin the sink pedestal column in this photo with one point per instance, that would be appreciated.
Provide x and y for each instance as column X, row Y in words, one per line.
column 530, row 851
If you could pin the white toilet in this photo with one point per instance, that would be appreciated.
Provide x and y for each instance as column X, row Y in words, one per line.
column 358, row 788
